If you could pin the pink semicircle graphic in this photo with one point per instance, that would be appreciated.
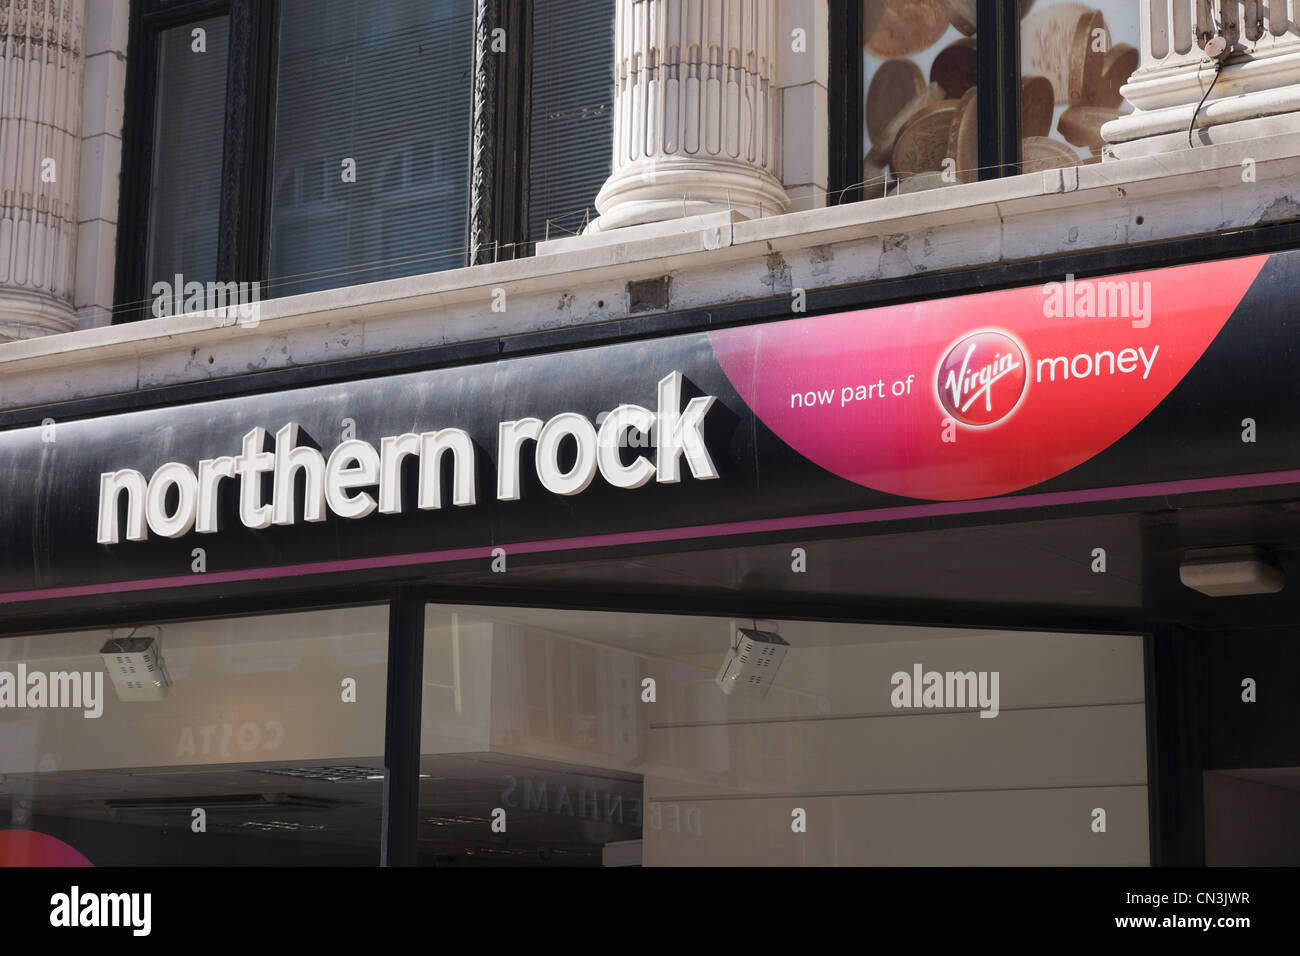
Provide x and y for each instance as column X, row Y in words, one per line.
column 867, row 394
column 29, row 848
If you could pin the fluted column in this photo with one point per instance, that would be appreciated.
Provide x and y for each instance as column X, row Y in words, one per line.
column 1261, row 76
column 696, row 112
column 40, row 147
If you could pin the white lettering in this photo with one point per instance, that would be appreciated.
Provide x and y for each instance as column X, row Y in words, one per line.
column 175, row 500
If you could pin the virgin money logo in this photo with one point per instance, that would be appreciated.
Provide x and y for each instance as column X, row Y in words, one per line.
column 982, row 378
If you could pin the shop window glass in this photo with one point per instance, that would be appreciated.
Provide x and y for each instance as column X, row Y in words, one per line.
column 185, row 181
column 263, row 744
column 371, row 167
column 598, row 738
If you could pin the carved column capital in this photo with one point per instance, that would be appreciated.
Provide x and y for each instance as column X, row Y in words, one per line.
column 40, row 153
column 696, row 112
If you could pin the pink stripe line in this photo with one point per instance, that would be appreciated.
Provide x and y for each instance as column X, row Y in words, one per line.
column 868, row 516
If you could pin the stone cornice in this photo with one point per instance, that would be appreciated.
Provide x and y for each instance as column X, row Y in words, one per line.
column 713, row 261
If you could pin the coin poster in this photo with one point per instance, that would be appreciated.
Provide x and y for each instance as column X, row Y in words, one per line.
column 920, row 87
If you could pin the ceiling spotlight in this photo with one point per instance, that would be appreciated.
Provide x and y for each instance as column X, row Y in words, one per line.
column 752, row 662
column 135, row 666
column 1227, row 572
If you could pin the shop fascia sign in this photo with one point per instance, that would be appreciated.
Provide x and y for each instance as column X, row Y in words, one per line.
column 335, row 484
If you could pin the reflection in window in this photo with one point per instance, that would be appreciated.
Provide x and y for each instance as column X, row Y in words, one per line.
column 605, row 738
column 571, row 116
column 253, row 748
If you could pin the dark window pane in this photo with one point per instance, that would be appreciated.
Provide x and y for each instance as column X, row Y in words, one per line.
column 542, row 719
column 571, row 124
column 185, row 186
column 384, row 89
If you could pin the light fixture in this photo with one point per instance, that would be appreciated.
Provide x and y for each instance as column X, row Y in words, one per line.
column 752, row 662
column 1228, row 572
column 135, row 666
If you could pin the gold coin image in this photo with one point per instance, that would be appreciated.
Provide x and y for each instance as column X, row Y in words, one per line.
column 922, row 145
column 872, row 11
column 1041, row 152
column 955, row 68
column 907, row 27
column 921, row 182
column 882, row 149
column 961, row 14
column 1121, row 60
column 893, row 84
column 1087, row 54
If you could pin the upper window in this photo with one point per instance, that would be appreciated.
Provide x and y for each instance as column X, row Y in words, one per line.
column 1084, row 53
column 196, row 743
column 919, row 104
column 304, row 145
column 189, row 115
column 371, row 167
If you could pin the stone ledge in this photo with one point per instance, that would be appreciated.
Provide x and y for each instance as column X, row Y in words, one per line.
column 583, row 280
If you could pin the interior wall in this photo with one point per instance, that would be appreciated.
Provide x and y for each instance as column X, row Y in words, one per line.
column 878, row 785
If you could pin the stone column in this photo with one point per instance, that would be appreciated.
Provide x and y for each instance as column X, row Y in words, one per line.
column 40, row 147
column 1257, row 94
column 696, row 112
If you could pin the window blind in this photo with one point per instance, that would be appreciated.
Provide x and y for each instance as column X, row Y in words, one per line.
column 371, row 169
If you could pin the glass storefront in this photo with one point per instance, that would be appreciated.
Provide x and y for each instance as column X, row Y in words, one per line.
column 588, row 737
column 254, row 740
column 575, row 738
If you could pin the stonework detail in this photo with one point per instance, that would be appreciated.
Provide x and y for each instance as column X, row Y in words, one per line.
column 41, row 66
column 696, row 116
column 1260, row 77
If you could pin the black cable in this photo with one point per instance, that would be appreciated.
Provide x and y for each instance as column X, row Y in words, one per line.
column 1218, row 68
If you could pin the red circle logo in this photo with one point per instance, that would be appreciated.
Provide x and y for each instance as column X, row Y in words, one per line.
column 982, row 378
